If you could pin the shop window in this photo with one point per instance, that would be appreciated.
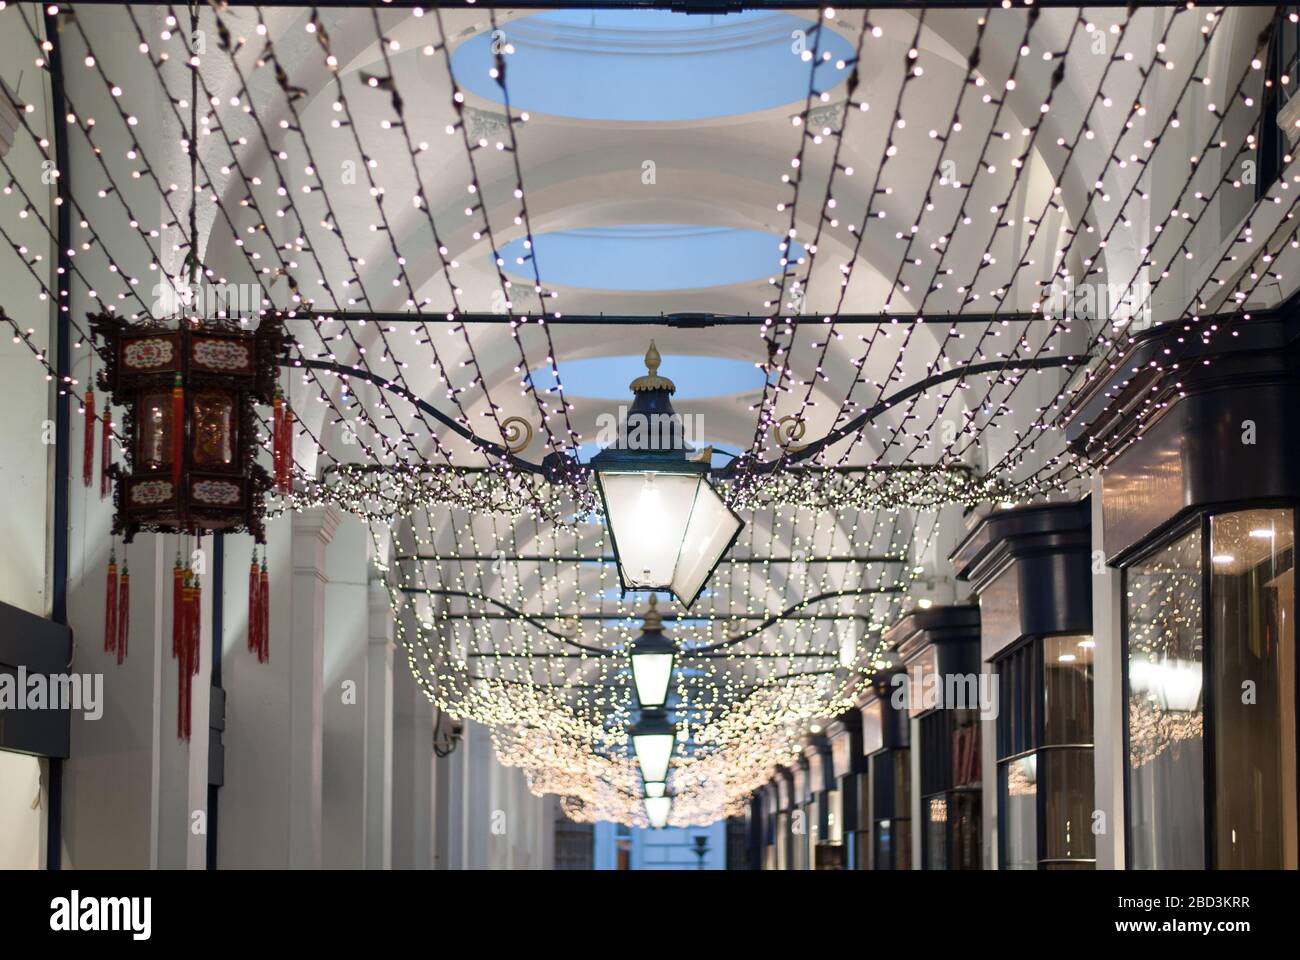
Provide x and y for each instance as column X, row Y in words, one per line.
column 1252, row 671
column 891, row 784
column 1045, row 773
column 1166, row 782
column 1212, row 697
column 950, row 790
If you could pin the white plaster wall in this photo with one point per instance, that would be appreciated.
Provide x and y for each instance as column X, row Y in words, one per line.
column 26, row 434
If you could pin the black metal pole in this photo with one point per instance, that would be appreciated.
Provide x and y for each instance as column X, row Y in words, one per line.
column 685, row 321
column 62, row 406
column 218, row 607
column 681, row 6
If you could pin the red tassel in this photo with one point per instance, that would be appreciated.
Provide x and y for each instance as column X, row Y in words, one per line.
column 254, row 616
column 178, row 431
column 110, row 606
column 185, row 671
column 123, row 613
column 286, row 458
column 277, row 439
column 178, row 607
column 263, row 612
column 106, row 453
column 88, row 440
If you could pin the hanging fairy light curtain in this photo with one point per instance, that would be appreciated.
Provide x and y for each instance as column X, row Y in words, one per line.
column 392, row 447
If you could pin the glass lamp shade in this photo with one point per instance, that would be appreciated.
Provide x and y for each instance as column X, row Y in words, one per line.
column 652, row 742
column 657, row 810
column 652, row 657
column 655, row 788
column 651, row 672
column 669, row 528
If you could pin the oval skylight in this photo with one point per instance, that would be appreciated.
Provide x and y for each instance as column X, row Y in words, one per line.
column 694, row 377
column 649, row 257
column 651, row 65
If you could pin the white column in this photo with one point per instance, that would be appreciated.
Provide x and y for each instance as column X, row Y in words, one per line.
column 271, row 802
column 312, row 532
column 344, row 700
column 1109, row 709
column 379, row 731
column 412, row 823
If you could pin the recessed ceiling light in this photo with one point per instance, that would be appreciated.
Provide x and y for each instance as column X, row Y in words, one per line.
column 925, row 603
column 1223, row 558
column 1066, row 658
column 1264, row 533
column 1087, row 644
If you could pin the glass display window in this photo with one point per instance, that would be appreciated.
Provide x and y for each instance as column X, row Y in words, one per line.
column 1045, row 754
column 1210, row 684
column 950, row 790
column 891, row 809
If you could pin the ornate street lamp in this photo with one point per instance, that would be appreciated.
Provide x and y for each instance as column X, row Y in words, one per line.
column 652, row 658
column 653, row 738
column 657, row 810
column 668, row 525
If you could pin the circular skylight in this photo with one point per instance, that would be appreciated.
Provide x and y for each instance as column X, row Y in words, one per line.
column 607, row 378
column 652, row 65
column 649, row 257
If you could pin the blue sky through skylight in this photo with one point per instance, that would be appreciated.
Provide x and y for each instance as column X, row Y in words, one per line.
column 651, row 65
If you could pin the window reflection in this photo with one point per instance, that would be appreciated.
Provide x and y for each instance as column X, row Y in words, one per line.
column 1046, row 775
column 891, row 779
column 1165, row 647
column 1252, row 596
column 1020, row 814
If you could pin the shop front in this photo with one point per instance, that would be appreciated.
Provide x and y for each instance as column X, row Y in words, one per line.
column 1200, row 519
column 939, row 653
column 886, row 739
column 824, row 847
column 850, row 810
column 1030, row 568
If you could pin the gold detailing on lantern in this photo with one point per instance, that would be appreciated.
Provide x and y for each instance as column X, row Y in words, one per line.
column 517, row 433
column 652, row 380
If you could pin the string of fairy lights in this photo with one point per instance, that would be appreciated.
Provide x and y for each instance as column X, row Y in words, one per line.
column 505, row 596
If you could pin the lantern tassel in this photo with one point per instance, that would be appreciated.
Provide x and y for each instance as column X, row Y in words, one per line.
column 178, row 604
column 263, row 612
column 277, row 439
column 286, row 458
column 178, row 432
column 106, row 452
column 123, row 612
column 254, row 614
column 185, row 669
column 110, row 605
column 88, row 440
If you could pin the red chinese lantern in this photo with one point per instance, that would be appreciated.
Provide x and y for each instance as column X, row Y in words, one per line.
column 189, row 397
column 188, row 429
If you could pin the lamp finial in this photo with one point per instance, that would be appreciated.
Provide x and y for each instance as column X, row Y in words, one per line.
column 652, row 380
column 651, row 620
